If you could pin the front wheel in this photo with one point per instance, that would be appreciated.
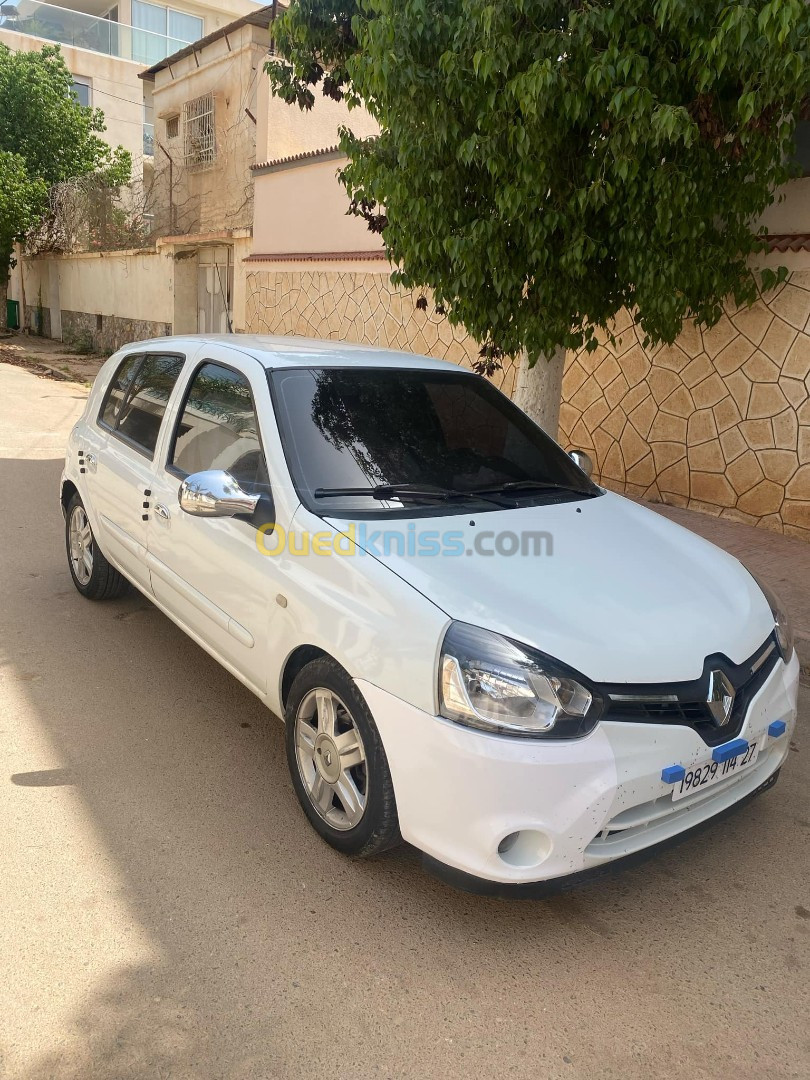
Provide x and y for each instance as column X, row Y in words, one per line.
column 337, row 762
column 92, row 575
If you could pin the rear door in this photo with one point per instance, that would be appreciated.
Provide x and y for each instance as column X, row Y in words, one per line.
column 119, row 456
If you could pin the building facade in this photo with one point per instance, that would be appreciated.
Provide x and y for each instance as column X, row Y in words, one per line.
column 106, row 47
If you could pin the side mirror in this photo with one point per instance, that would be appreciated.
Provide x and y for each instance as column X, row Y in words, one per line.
column 583, row 460
column 215, row 493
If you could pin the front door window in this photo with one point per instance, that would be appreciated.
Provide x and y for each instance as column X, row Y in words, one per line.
column 218, row 429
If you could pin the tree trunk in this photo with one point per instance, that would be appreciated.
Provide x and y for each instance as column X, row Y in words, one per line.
column 539, row 389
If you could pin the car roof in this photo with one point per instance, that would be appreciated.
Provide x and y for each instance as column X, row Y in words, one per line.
column 277, row 351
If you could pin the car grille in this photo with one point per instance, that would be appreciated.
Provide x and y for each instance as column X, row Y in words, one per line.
column 686, row 703
column 640, row 825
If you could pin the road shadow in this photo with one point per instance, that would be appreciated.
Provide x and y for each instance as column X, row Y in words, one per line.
column 276, row 957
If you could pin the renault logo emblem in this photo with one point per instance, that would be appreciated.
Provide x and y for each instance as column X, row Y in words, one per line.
column 720, row 698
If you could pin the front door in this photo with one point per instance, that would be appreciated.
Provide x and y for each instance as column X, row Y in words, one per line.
column 209, row 572
column 118, row 457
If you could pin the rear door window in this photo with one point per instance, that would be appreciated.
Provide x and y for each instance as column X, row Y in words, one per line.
column 117, row 390
column 139, row 393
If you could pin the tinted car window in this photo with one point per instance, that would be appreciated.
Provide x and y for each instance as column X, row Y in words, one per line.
column 117, row 390
column 217, row 429
column 137, row 398
column 348, row 427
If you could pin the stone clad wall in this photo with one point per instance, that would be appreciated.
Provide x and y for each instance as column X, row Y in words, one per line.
column 357, row 306
column 719, row 421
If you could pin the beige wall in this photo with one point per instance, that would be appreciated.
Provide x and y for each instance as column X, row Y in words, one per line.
column 215, row 15
column 353, row 303
column 790, row 211
column 132, row 285
column 117, row 90
column 303, row 209
column 719, row 421
column 284, row 130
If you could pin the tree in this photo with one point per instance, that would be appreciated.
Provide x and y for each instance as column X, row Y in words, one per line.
column 46, row 137
column 542, row 164
column 21, row 203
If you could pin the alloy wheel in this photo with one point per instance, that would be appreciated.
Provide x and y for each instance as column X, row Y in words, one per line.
column 331, row 759
column 81, row 545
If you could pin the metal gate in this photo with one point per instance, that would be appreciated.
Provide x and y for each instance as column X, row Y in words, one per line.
column 215, row 290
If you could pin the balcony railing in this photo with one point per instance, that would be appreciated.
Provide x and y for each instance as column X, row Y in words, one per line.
column 87, row 32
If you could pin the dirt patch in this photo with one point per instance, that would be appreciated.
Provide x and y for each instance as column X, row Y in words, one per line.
column 48, row 359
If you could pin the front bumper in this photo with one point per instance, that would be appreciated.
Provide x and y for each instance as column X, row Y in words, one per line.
column 578, row 805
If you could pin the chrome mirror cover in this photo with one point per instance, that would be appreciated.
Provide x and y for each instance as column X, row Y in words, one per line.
column 214, row 493
column 583, row 460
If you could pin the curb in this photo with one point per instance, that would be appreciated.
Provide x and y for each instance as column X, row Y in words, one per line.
column 56, row 373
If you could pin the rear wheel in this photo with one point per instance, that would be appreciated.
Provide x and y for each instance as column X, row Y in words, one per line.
column 337, row 761
column 92, row 575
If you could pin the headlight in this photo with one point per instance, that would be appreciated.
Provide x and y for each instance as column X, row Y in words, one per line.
column 492, row 683
column 783, row 625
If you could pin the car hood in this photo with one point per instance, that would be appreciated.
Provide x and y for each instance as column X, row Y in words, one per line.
column 617, row 591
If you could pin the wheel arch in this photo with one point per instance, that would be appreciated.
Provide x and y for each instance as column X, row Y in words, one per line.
column 69, row 489
column 298, row 659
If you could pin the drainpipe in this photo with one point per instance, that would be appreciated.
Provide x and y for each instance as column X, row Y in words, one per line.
column 171, row 189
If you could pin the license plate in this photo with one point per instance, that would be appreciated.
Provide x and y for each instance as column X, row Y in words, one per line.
column 708, row 773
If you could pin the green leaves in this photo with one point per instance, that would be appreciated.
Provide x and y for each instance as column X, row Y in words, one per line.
column 544, row 164
column 45, row 137
column 41, row 120
column 22, row 201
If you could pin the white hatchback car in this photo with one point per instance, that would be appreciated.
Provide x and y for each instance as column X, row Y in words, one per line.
column 474, row 647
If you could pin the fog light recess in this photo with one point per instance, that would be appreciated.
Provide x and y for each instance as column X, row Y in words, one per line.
column 529, row 847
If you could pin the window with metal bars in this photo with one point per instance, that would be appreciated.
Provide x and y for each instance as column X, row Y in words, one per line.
column 172, row 127
column 199, row 133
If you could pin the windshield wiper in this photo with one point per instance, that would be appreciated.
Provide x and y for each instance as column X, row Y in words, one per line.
column 400, row 491
column 531, row 485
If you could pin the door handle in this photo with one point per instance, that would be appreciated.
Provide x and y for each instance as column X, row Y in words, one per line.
column 90, row 461
column 161, row 511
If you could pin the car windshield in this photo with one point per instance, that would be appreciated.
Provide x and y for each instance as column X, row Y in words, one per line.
column 351, row 435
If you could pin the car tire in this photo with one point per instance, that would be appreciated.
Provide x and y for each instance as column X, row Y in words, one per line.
column 333, row 745
column 92, row 575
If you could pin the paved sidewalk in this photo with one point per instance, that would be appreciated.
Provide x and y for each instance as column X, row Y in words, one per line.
column 782, row 561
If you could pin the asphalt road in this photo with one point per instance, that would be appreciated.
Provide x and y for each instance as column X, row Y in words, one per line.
column 166, row 912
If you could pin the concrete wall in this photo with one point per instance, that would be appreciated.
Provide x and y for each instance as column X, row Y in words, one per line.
column 101, row 300
column 349, row 302
column 283, row 130
column 790, row 211
column 719, row 421
column 214, row 15
column 304, row 209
